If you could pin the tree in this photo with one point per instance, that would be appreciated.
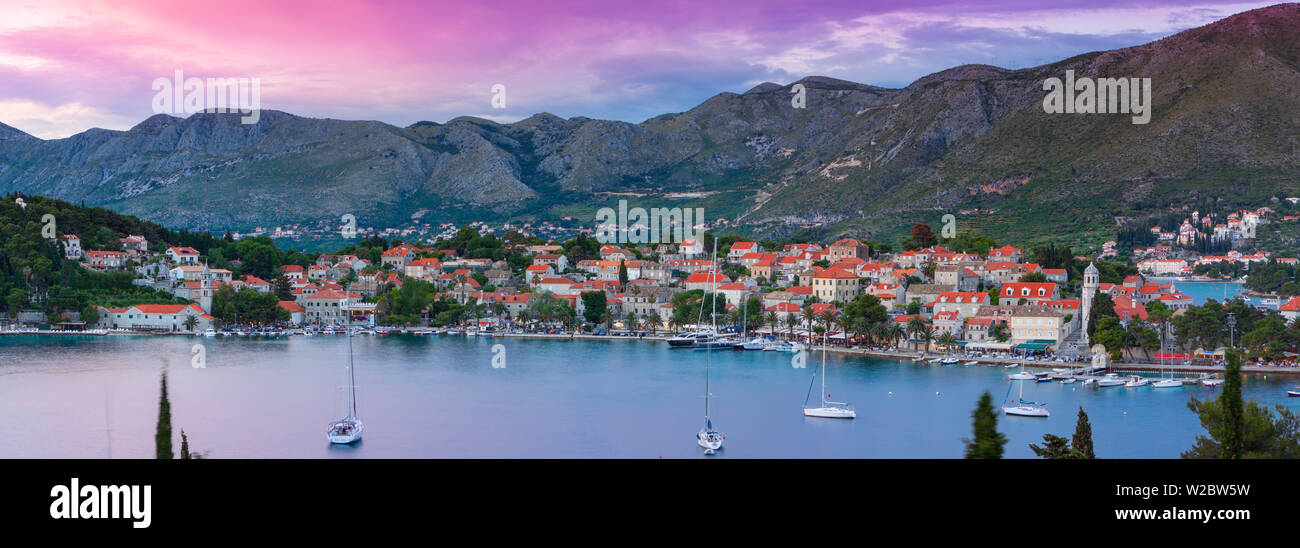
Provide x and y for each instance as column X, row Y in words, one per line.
column 1226, row 421
column 1231, row 402
column 1078, row 447
column 1054, row 447
column 1082, row 440
column 163, row 432
column 988, row 442
column 622, row 274
column 921, row 237
column 594, row 307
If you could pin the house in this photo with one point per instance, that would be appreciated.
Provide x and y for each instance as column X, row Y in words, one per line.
column 397, row 257
column 72, row 247
column 1056, row 275
column 558, row 262
column 106, row 259
column 735, row 292
column 294, row 272
column 848, row 248
column 317, row 272
column 257, row 284
column 295, row 310
column 183, row 255
column 960, row 277
column 835, row 284
column 965, row 303
column 691, row 248
column 327, row 306
column 1028, row 292
column 134, row 245
column 1290, row 309
column 924, row 293
column 558, row 286
column 740, row 249
column 705, row 280
column 1005, row 253
column 537, row 271
column 422, row 269
column 155, row 317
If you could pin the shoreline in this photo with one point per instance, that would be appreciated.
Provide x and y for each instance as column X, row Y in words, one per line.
column 882, row 354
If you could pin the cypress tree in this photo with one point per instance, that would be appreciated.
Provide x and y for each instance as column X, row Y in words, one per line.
column 163, row 435
column 1082, row 440
column 988, row 441
column 185, row 446
column 1231, row 402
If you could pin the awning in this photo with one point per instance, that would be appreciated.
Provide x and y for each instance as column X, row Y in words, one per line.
column 993, row 345
column 1033, row 346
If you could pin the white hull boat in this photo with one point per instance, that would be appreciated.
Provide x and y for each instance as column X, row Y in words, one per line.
column 1137, row 382
column 1167, row 383
column 345, row 431
column 1027, row 411
column 1022, row 376
column 830, row 412
column 828, row 409
column 1021, row 407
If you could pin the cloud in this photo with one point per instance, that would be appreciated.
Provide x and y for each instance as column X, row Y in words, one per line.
column 404, row 60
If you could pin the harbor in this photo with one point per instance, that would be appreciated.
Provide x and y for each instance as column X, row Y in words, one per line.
column 592, row 396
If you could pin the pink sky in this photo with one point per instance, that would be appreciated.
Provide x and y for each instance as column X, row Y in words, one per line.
column 66, row 66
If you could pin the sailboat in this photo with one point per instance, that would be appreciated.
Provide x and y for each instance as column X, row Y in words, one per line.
column 348, row 429
column 1170, row 382
column 708, row 437
column 829, row 409
column 1023, row 408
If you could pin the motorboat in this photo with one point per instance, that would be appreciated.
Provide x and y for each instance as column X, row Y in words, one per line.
column 949, row 361
column 690, row 339
column 972, row 362
column 1135, row 381
column 1110, row 379
column 1167, row 383
column 755, row 344
column 1022, row 376
column 1069, row 380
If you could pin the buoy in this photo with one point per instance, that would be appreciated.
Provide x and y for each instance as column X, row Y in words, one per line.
column 936, row 393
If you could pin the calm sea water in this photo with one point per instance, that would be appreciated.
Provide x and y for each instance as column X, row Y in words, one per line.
column 1219, row 291
column 441, row 397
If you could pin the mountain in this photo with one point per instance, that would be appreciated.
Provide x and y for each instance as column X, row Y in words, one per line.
column 972, row 140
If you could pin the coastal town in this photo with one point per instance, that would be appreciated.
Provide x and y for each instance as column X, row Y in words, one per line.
column 1000, row 299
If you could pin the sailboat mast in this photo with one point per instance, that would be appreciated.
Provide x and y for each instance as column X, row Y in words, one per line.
column 823, row 369
column 352, row 376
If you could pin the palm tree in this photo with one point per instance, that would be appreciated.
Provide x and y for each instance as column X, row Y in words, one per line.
column 946, row 340
column 895, row 332
column 880, row 331
column 861, row 327
column 927, row 332
column 914, row 326
column 809, row 316
column 772, row 321
column 790, row 322
column 190, row 322
column 654, row 320
column 829, row 320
